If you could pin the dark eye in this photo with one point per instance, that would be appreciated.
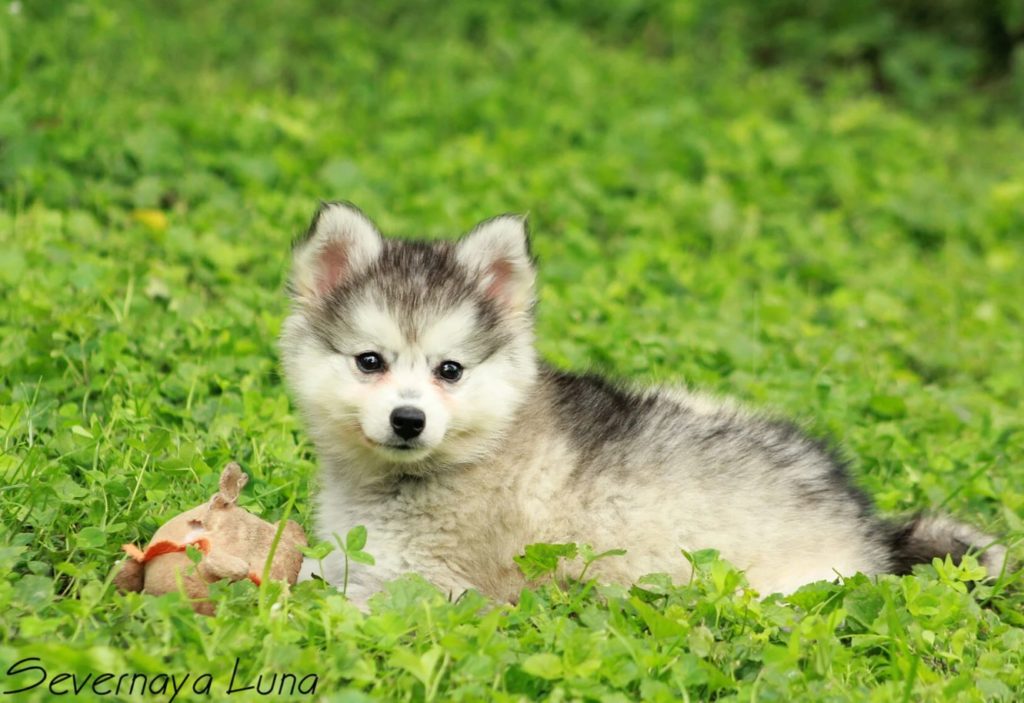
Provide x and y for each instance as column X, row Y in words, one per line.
column 370, row 362
column 449, row 370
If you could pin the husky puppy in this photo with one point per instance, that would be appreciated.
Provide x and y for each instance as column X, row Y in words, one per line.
column 440, row 430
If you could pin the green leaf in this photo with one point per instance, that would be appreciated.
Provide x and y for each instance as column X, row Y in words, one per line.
column 361, row 557
column 91, row 537
column 81, row 431
column 589, row 556
column 317, row 551
column 419, row 665
column 10, row 556
column 701, row 640
column 888, row 406
column 355, row 539
column 543, row 665
column 542, row 559
column 864, row 605
column 660, row 626
column 34, row 589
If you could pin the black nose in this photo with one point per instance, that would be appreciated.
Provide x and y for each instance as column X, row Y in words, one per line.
column 407, row 421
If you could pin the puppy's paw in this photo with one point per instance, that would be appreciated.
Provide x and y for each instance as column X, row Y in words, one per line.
column 310, row 568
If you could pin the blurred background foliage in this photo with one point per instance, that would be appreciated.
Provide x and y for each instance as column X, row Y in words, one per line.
column 921, row 55
column 918, row 51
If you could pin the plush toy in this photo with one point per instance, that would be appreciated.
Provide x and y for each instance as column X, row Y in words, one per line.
column 235, row 545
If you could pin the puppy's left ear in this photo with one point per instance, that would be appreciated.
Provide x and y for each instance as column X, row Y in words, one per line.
column 497, row 253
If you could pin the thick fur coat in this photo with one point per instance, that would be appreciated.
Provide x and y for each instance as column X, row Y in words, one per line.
column 440, row 430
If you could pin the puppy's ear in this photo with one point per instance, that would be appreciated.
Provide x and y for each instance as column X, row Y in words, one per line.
column 497, row 253
column 341, row 242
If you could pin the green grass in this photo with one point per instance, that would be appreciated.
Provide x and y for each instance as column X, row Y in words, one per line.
column 850, row 257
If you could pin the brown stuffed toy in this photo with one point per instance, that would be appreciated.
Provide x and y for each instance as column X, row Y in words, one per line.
column 234, row 542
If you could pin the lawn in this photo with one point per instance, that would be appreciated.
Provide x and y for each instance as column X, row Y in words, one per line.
column 821, row 215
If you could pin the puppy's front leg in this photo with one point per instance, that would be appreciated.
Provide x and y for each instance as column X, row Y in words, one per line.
column 365, row 580
column 361, row 582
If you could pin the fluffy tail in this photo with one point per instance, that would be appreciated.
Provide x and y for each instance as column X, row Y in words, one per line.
column 927, row 537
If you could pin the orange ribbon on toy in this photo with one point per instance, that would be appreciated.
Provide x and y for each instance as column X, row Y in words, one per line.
column 166, row 546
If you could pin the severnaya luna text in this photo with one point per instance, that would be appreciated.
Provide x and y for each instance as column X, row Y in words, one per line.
column 31, row 674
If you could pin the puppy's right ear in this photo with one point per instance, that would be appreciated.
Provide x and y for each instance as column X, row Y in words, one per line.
column 341, row 242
